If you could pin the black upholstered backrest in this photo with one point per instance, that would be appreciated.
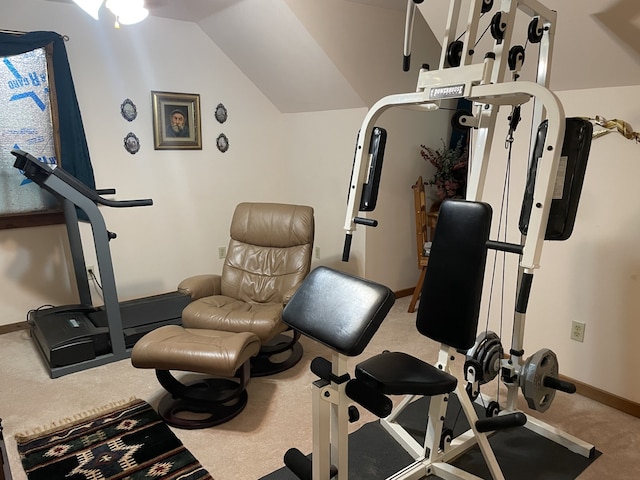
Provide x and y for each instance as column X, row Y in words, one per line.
column 338, row 310
column 452, row 290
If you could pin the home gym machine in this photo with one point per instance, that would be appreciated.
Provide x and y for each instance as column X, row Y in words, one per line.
column 72, row 338
column 558, row 153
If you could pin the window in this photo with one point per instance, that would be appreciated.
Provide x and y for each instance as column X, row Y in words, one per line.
column 26, row 123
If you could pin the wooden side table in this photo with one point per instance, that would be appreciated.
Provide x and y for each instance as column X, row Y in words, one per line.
column 425, row 227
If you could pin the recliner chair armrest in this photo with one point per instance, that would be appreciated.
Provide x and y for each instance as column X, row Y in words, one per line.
column 200, row 286
column 288, row 294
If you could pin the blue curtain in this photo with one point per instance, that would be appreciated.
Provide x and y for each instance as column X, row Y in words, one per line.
column 74, row 151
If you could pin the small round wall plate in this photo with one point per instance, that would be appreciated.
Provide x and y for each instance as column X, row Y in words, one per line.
column 222, row 142
column 128, row 110
column 221, row 113
column 131, row 143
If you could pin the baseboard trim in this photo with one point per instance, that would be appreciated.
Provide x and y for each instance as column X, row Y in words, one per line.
column 13, row 327
column 606, row 398
column 405, row 292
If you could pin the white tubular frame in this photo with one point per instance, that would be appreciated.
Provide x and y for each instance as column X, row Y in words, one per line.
column 510, row 93
column 330, row 424
column 429, row 458
column 484, row 84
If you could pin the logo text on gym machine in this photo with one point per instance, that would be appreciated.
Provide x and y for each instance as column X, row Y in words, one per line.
column 450, row 91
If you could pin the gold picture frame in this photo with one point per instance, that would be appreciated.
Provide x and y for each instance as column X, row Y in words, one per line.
column 176, row 121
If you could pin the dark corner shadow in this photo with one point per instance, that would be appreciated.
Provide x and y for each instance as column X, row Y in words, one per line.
column 618, row 21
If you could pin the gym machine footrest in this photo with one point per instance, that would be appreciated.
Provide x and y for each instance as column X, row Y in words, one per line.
column 510, row 420
column 302, row 466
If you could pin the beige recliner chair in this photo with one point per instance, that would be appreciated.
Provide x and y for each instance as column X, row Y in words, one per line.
column 268, row 257
column 233, row 328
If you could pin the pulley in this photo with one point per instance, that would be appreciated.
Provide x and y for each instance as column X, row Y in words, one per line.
column 445, row 438
column 493, row 409
column 354, row 414
column 454, row 53
column 484, row 357
column 537, row 368
column 534, row 32
column 487, row 5
column 461, row 120
column 498, row 27
column 472, row 389
column 516, row 57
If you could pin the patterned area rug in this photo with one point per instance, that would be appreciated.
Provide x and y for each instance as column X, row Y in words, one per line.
column 123, row 441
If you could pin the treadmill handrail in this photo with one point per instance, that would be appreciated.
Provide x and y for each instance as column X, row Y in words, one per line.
column 39, row 172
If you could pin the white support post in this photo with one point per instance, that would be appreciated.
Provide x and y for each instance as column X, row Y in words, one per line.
column 471, row 34
column 340, row 419
column 437, row 412
column 321, row 456
column 331, row 424
column 450, row 31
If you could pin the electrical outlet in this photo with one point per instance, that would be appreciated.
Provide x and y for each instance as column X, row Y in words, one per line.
column 222, row 252
column 317, row 253
column 91, row 271
column 577, row 331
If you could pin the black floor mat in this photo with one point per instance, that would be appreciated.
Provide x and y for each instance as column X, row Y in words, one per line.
column 521, row 453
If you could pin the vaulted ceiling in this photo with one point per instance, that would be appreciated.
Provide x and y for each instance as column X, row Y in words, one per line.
column 308, row 55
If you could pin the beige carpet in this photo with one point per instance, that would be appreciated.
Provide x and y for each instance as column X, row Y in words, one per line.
column 278, row 415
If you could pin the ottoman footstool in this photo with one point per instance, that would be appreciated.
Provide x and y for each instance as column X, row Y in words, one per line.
column 225, row 356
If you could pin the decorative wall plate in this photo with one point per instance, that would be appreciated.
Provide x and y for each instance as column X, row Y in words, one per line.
column 128, row 110
column 221, row 113
column 222, row 142
column 131, row 143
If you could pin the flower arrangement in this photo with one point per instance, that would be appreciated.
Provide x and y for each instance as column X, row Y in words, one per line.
column 450, row 178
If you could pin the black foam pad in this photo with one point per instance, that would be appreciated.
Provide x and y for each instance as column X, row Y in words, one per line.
column 370, row 398
column 339, row 310
column 398, row 373
column 564, row 206
column 452, row 289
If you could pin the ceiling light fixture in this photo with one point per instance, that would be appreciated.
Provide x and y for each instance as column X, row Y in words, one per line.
column 127, row 12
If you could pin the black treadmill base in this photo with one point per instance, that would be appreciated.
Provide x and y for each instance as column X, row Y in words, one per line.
column 76, row 337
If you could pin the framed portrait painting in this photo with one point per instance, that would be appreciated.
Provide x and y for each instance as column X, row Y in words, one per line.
column 176, row 121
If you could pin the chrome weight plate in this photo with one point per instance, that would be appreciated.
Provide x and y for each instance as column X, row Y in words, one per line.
column 541, row 364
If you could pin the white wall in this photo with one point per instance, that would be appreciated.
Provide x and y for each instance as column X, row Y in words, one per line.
column 391, row 247
column 320, row 150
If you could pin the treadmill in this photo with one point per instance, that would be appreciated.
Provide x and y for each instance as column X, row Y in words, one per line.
column 72, row 338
